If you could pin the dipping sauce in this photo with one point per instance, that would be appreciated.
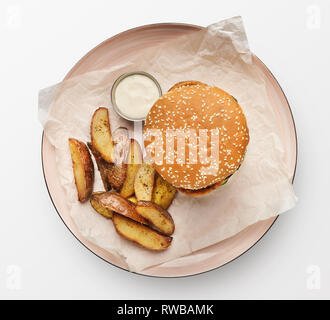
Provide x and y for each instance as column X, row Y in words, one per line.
column 134, row 94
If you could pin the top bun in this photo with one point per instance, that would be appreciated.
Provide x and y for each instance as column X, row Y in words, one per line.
column 195, row 105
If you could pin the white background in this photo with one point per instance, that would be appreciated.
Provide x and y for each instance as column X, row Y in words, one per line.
column 41, row 40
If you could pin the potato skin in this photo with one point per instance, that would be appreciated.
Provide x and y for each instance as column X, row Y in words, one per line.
column 117, row 203
column 101, row 134
column 140, row 234
column 151, row 212
column 116, row 175
column 102, row 166
column 107, row 213
column 81, row 159
column 113, row 175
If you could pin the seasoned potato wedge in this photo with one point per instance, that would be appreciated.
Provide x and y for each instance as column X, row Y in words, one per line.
column 157, row 217
column 107, row 213
column 83, row 168
column 113, row 175
column 144, row 182
column 101, row 134
column 115, row 202
column 117, row 172
column 135, row 158
column 163, row 193
column 132, row 199
column 102, row 165
column 121, row 144
column 116, row 175
column 140, row 234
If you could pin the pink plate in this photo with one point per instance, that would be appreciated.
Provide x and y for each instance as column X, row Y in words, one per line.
column 114, row 51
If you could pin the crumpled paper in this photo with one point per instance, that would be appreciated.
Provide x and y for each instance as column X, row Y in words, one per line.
column 220, row 56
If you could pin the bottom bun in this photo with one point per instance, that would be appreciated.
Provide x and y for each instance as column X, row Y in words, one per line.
column 201, row 192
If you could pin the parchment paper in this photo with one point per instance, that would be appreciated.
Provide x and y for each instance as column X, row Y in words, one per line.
column 261, row 188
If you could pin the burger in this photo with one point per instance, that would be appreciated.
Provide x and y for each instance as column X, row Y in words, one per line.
column 196, row 136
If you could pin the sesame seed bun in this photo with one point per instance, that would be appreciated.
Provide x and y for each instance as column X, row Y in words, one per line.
column 195, row 105
column 186, row 84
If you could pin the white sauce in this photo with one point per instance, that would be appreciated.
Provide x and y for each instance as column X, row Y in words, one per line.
column 135, row 95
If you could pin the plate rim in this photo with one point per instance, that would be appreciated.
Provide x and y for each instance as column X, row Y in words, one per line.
column 167, row 24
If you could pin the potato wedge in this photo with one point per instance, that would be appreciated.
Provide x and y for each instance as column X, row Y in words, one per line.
column 132, row 199
column 140, row 234
column 101, row 134
column 113, row 175
column 116, row 175
column 121, row 145
column 117, row 171
column 163, row 193
column 144, row 182
column 107, row 213
column 135, row 159
column 115, row 202
column 102, row 165
column 157, row 217
column 83, row 169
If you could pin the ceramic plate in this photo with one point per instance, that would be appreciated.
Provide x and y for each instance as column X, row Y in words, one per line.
column 112, row 52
